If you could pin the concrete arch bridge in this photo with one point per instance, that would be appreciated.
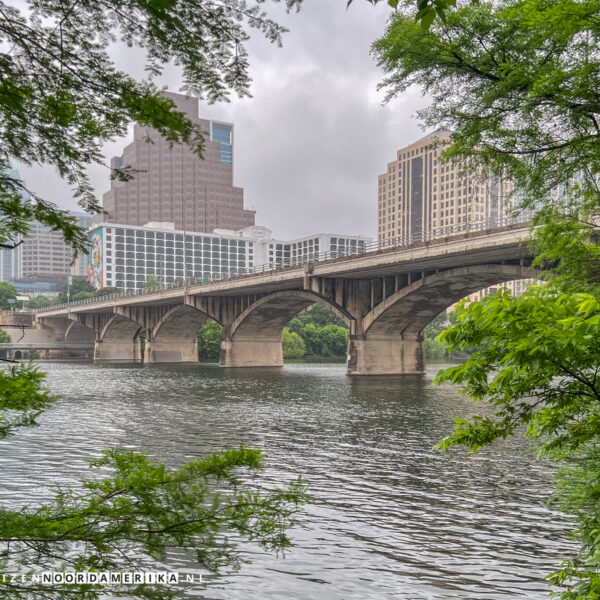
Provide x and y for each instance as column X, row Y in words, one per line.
column 386, row 297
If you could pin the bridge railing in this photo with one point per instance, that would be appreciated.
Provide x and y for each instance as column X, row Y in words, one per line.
column 357, row 247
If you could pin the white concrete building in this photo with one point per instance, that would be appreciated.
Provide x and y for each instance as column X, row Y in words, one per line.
column 124, row 256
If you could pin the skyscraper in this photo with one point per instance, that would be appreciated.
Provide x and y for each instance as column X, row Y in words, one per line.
column 421, row 198
column 173, row 185
column 44, row 252
column 9, row 259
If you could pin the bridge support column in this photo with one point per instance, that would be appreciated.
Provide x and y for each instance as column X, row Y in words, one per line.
column 385, row 354
column 171, row 350
column 243, row 352
column 117, row 350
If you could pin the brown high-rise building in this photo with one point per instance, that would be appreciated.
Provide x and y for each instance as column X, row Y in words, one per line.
column 173, row 185
column 421, row 198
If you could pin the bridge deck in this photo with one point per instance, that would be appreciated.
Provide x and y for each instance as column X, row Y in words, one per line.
column 501, row 245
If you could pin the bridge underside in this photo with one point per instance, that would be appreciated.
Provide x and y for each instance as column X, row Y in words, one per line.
column 390, row 340
column 254, row 339
column 174, row 338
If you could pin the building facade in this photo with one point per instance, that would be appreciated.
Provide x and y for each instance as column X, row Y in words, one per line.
column 9, row 264
column 421, row 198
column 125, row 256
column 172, row 184
column 45, row 254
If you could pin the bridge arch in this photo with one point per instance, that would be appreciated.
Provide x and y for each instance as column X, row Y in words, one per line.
column 174, row 337
column 118, row 340
column 390, row 337
column 77, row 332
column 414, row 306
column 254, row 337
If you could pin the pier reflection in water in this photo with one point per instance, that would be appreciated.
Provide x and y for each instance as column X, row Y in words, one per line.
column 391, row 518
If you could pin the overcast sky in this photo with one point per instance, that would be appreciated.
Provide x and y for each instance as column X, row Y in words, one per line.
column 311, row 141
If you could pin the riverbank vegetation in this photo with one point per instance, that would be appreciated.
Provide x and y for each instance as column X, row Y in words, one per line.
column 517, row 83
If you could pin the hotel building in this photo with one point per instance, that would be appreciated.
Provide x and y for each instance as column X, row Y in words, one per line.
column 125, row 256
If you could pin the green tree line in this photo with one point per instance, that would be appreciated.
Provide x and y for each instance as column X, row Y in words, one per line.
column 78, row 289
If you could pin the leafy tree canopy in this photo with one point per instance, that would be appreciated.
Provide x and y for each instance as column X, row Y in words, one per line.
column 292, row 344
column 427, row 10
column 537, row 364
column 209, row 341
column 126, row 516
column 517, row 83
column 152, row 283
column 320, row 316
column 107, row 291
column 39, row 302
column 77, row 285
column 7, row 292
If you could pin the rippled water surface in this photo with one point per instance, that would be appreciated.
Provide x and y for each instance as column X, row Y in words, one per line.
column 391, row 519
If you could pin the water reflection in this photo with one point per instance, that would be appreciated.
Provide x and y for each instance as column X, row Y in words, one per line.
column 391, row 520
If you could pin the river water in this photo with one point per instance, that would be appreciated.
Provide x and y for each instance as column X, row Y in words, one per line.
column 391, row 518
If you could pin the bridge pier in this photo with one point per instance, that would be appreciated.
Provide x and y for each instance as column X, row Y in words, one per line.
column 240, row 352
column 171, row 350
column 117, row 351
column 385, row 354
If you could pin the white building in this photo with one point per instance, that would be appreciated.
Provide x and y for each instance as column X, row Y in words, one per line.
column 124, row 256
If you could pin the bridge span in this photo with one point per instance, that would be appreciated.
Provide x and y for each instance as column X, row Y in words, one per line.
column 386, row 297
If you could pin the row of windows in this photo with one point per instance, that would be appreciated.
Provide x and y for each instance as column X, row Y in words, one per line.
column 176, row 244
column 131, row 236
column 169, row 249
column 152, row 264
column 121, row 271
column 178, row 256
column 137, row 281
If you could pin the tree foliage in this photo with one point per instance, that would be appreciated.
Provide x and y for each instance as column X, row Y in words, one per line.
column 539, row 365
column 77, row 286
column 7, row 292
column 106, row 291
column 516, row 83
column 39, row 302
column 126, row 520
column 327, row 341
column 125, row 517
column 152, row 284
column 22, row 397
column 427, row 10
column 292, row 344
column 323, row 332
column 209, row 341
